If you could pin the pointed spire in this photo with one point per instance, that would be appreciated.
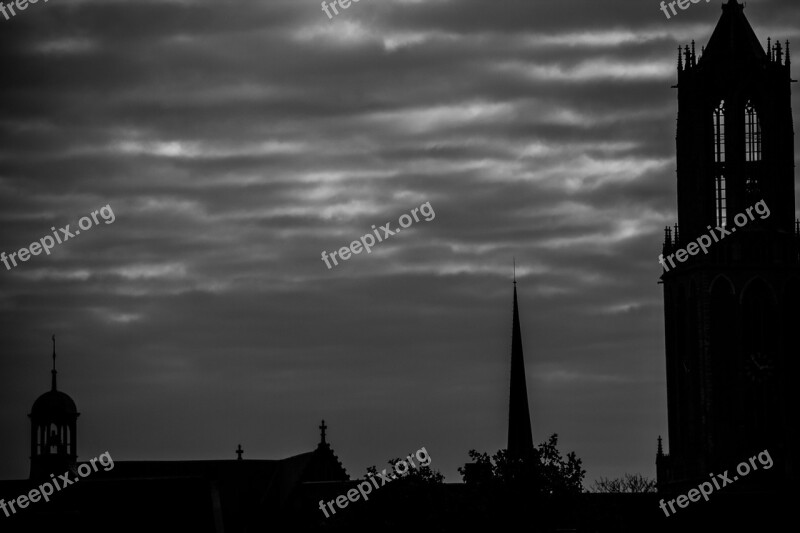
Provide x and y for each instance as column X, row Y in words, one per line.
column 54, row 363
column 788, row 55
column 520, row 437
column 666, row 248
column 515, row 270
column 694, row 57
column 769, row 49
column 680, row 63
column 778, row 53
column 660, row 448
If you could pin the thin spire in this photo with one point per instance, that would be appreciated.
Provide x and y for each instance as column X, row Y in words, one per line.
column 788, row 55
column 520, row 437
column 515, row 270
column 54, row 363
column 322, row 429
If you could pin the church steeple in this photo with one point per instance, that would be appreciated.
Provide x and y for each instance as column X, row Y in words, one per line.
column 520, row 438
column 54, row 437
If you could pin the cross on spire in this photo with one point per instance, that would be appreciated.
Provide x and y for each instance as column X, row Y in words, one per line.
column 322, row 429
column 239, row 452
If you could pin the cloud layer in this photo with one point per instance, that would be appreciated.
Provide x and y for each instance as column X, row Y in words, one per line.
column 237, row 140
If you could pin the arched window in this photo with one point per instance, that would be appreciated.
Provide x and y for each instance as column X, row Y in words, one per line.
column 752, row 151
column 719, row 164
column 752, row 133
column 719, row 133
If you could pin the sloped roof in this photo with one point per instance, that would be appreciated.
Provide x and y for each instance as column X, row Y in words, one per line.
column 733, row 40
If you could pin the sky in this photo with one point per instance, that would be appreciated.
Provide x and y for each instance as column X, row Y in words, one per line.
column 236, row 140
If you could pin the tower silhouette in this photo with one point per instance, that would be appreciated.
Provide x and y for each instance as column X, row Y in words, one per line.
column 54, row 438
column 731, row 313
column 520, row 439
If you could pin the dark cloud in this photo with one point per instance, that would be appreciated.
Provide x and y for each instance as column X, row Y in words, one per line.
column 237, row 140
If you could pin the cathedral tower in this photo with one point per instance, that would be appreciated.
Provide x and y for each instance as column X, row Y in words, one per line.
column 731, row 314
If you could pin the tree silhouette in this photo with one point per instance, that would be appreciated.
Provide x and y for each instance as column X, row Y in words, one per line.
column 626, row 483
column 545, row 470
column 418, row 474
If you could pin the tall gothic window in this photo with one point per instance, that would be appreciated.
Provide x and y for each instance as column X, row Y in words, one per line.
column 752, row 149
column 719, row 133
column 752, row 134
column 719, row 164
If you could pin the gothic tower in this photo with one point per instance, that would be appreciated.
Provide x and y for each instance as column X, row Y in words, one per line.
column 520, row 439
column 731, row 312
column 54, row 440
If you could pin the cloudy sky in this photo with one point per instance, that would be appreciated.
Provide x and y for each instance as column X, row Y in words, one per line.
column 235, row 140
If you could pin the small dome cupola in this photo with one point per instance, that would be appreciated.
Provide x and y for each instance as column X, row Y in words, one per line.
column 53, row 430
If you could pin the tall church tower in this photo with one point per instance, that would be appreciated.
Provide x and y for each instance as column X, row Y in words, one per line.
column 731, row 314
column 54, row 439
column 520, row 438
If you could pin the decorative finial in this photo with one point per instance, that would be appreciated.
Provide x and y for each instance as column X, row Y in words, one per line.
column 660, row 448
column 239, row 452
column 680, row 61
column 694, row 58
column 788, row 55
column 769, row 48
column 322, row 429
